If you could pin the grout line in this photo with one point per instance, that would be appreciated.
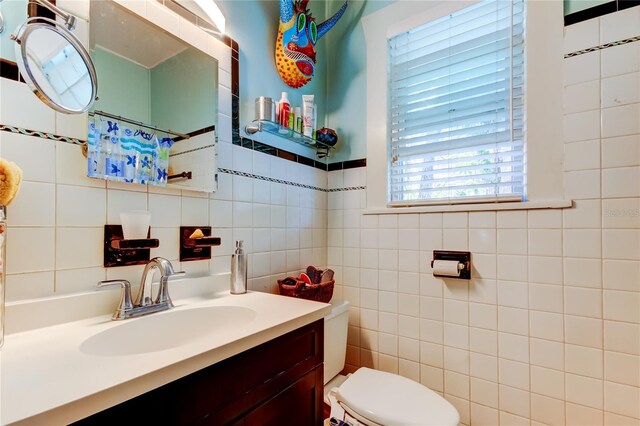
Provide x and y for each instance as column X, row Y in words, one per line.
column 564, row 338
column 602, row 232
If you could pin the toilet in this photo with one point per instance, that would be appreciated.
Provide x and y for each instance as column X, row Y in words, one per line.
column 371, row 397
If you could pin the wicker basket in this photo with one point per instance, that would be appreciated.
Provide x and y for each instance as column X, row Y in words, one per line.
column 319, row 292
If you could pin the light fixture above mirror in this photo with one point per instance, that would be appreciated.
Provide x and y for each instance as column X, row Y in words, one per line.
column 208, row 10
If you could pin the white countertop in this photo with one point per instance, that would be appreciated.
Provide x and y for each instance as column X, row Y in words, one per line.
column 47, row 379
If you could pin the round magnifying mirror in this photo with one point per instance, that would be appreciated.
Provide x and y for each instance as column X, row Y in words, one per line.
column 56, row 66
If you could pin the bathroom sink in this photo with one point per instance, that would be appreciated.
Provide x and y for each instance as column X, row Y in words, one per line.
column 166, row 330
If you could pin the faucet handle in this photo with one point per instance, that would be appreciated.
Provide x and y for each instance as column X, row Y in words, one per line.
column 125, row 297
column 163, row 290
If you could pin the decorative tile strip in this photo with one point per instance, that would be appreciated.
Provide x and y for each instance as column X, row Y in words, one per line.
column 75, row 141
column 285, row 182
column 44, row 135
column 269, row 179
column 348, row 188
column 193, row 150
column 602, row 46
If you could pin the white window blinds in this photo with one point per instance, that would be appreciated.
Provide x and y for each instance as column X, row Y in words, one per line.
column 456, row 117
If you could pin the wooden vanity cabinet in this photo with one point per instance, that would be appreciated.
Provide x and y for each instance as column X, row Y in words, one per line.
column 277, row 383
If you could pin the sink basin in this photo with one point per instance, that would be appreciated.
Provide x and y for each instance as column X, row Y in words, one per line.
column 166, row 330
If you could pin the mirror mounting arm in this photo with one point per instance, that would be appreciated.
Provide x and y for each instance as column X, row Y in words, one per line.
column 69, row 19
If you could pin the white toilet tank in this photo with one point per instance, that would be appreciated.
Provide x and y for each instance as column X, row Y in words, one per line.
column 336, row 325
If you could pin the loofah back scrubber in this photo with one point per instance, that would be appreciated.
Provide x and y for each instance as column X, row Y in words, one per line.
column 10, row 179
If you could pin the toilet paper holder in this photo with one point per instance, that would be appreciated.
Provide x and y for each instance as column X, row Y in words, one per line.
column 462, row 257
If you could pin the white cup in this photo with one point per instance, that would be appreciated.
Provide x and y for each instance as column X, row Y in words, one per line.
column 135, row 224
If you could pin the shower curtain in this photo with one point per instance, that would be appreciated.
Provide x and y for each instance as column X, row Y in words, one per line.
column 123, row 154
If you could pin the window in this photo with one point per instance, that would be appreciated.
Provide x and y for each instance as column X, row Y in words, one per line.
column 456, row 124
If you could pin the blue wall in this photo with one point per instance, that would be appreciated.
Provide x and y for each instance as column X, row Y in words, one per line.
column 339, row 85
column 340, row 81
column 177, row 94
column 346, row 89
column 183, row 92
column 124, row 86
column 254, row 25
column 15, row 13
column 347, row 86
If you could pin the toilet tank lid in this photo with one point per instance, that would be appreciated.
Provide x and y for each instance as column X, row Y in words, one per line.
column 389, row 399
column 337, row 307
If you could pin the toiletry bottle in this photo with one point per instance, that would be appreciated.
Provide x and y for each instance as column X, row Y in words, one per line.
column 298, row 118
column 284, row 110
column 314, row 127
column 239, row 270
column 307, row 115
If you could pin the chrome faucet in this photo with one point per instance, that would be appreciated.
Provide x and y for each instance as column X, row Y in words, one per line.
column 166, row 270
column 144, row 305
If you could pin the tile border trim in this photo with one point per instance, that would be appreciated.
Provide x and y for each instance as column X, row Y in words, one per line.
column 75, row 141
column 254, row 145
column 599, row 10
column 349, row 164
column 39, row 134
column 602, row 46
column 9, row 70
column 287, row 182
column 269, row 179
column 213, row 145
column 346, row 188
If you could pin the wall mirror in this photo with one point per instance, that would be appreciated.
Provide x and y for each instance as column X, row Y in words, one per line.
column 154, row 88
column 54, row 63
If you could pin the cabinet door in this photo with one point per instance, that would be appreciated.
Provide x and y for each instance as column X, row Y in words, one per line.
column 279, row 378
column 300, row 404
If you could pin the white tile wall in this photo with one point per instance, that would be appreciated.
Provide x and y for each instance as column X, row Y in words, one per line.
column 548, row 329
column 64, row 211
column 619, row 25
column 56, row 223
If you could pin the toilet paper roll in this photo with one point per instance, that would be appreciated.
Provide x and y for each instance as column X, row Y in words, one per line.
column 447, row 268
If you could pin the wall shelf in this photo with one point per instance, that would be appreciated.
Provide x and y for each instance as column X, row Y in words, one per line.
column 286, row 133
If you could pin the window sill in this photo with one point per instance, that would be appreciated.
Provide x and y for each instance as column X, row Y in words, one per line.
column 527, row 205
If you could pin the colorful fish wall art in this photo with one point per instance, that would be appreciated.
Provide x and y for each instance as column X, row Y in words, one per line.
column 297, row 37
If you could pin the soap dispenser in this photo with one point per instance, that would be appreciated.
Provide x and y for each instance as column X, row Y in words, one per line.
column 239, row 270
